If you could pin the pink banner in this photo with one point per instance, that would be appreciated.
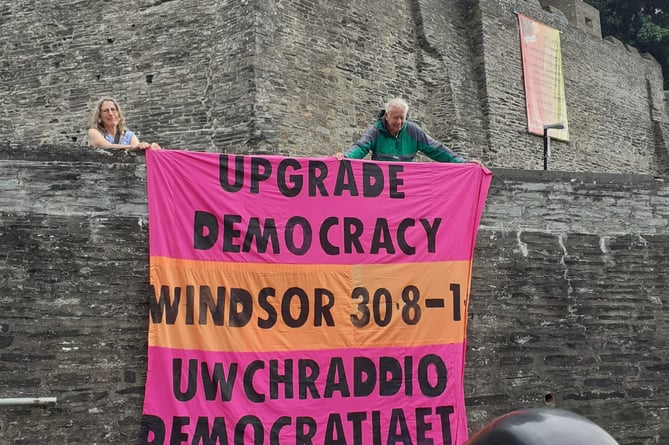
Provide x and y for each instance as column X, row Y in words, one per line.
column 405, row 395
column 321, row 211
column 308, row 301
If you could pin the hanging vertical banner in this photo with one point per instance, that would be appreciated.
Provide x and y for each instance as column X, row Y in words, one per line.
column 308, row 301
column 544, row 83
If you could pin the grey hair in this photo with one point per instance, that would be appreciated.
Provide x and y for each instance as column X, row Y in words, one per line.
column 397, row 102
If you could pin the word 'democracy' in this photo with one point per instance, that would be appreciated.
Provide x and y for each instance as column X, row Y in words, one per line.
column 298, row 235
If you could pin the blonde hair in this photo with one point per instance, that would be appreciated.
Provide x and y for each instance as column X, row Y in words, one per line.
column 96, row 122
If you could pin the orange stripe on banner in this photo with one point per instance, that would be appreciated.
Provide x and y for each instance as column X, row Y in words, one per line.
column 276, row 307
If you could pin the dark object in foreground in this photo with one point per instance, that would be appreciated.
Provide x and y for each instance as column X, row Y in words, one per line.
column 541, row 426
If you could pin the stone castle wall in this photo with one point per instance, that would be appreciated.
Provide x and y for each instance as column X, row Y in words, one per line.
column 306, row 77
column 568, row 301
column 568, row 294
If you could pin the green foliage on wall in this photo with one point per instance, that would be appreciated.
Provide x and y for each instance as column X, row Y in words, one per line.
column 643, row 24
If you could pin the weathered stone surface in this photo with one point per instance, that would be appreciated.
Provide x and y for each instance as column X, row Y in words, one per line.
column 568, row 304
column 569, row 299
column 305, row 78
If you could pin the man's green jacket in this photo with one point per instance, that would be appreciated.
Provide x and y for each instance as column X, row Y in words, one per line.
column 410, row 140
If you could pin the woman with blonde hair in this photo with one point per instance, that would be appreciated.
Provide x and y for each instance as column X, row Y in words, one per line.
column 107, row 128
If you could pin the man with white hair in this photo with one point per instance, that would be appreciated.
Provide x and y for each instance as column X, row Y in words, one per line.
column 392, row 138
